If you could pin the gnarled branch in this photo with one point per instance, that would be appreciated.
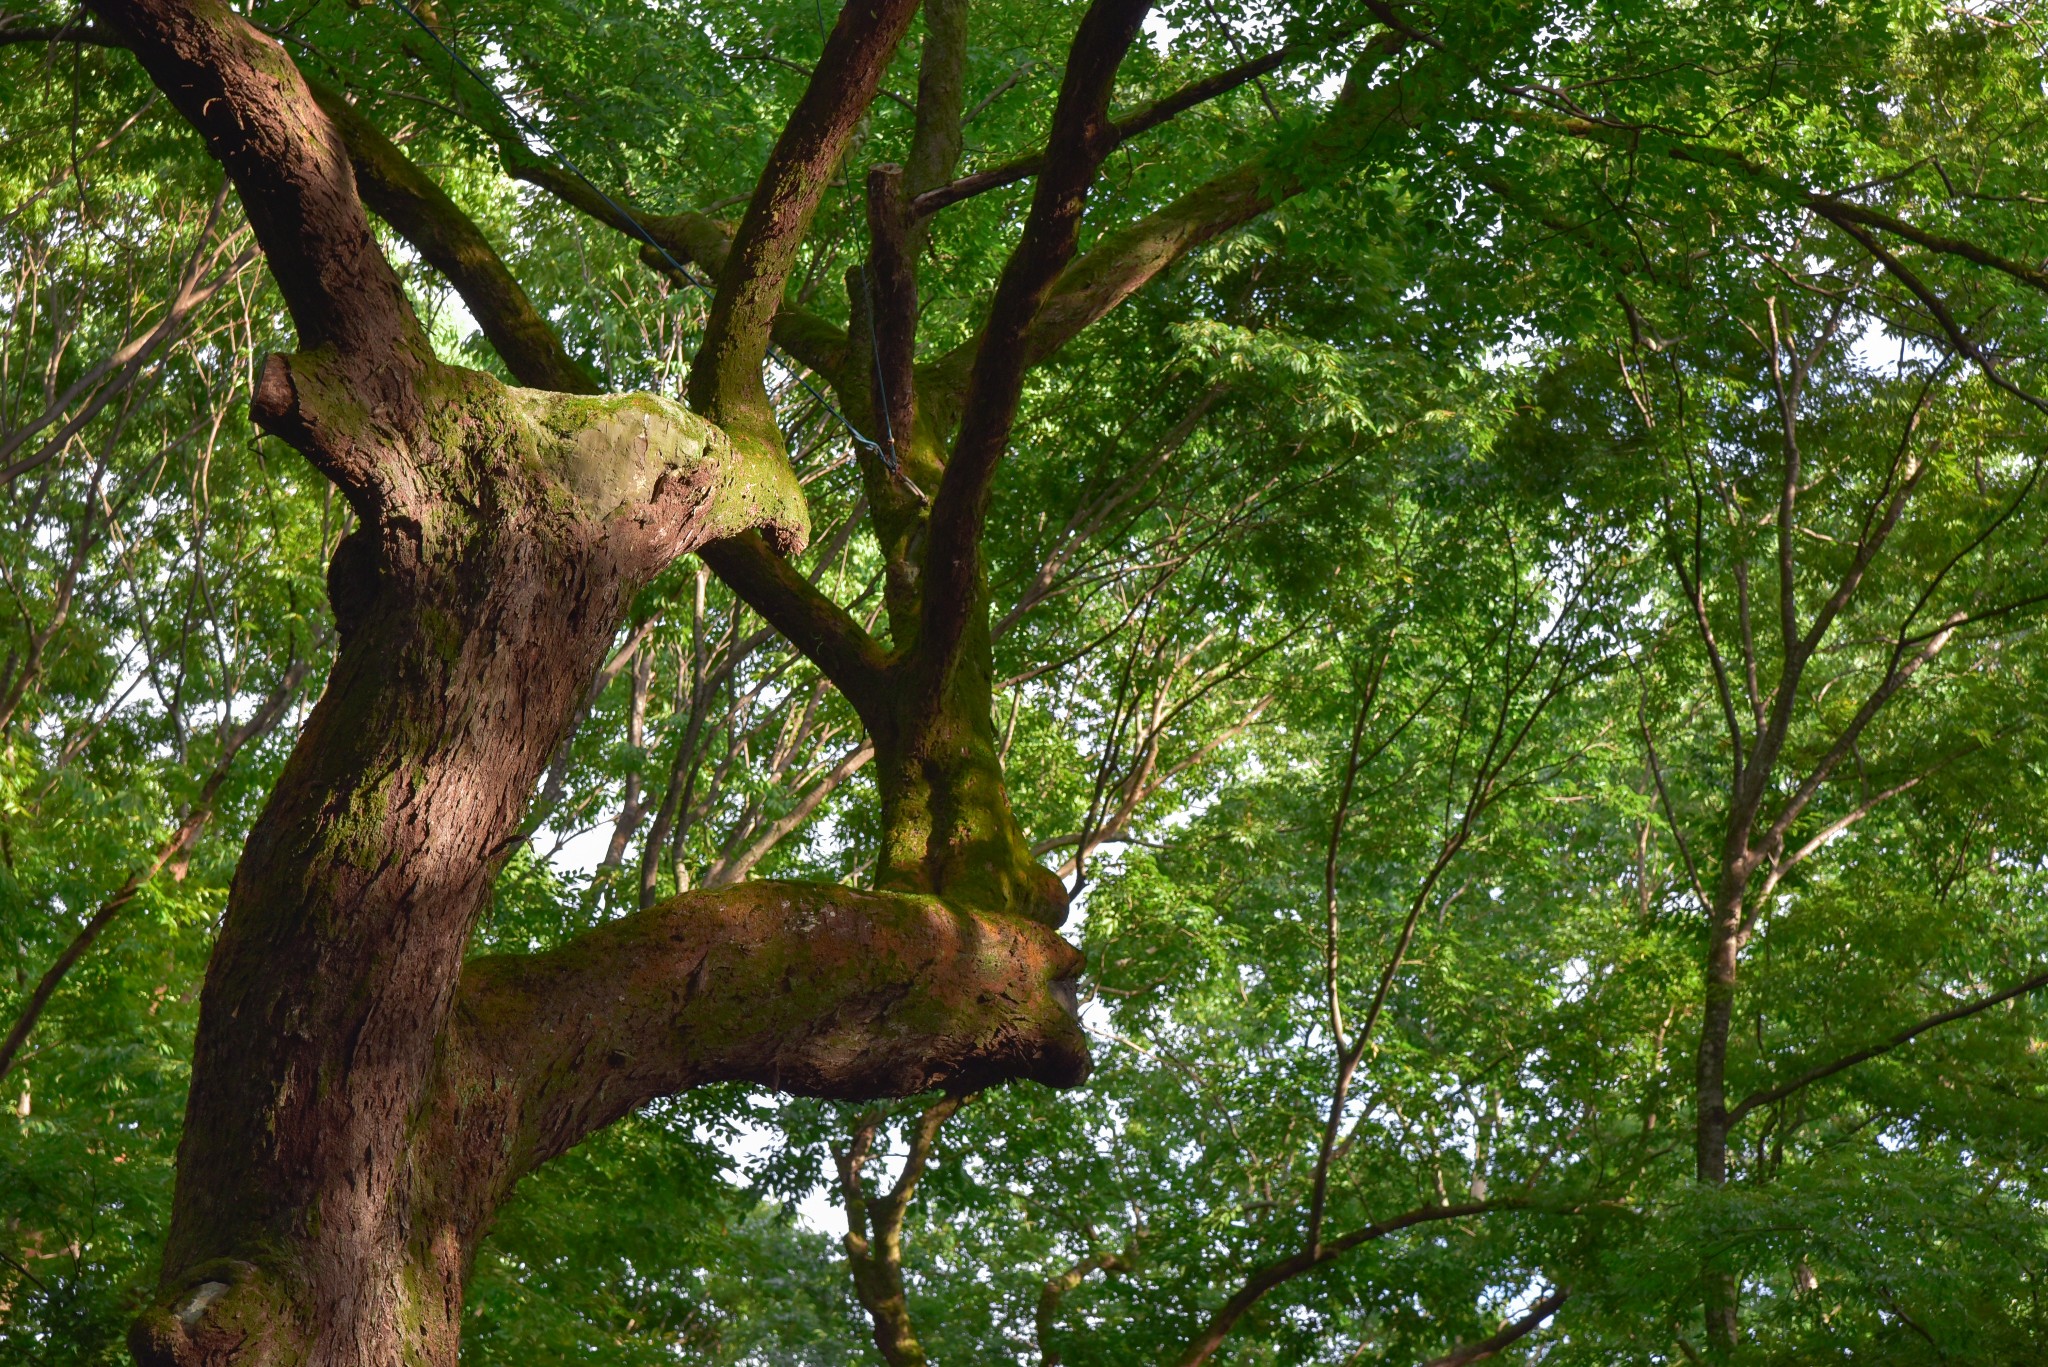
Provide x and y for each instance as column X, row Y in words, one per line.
column 807, row 988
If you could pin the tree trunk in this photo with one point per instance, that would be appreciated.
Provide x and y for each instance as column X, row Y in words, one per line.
column 471, row 620
column 345, row 1143
column 1720, row 1288
column 947, row 825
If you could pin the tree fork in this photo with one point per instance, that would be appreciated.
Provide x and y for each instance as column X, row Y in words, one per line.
column 330, row 1187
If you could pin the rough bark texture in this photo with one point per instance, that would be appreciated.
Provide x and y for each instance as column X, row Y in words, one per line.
column 475, row 602
column 361, row 1100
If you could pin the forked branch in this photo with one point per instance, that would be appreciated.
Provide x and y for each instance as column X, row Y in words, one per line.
column 1078, row 142
column 725, row 379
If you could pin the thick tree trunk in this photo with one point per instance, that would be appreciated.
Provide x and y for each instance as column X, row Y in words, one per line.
column 474, row 604
column 346, row 1142
column 361, row 1100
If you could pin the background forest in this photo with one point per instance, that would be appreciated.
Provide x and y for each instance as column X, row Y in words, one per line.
column 1529, row 653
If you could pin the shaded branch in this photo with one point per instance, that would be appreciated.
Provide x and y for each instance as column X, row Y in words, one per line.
column 1075, row 147
column 806, row 988
column 825, row 632
column 1265, row 1280
column 930, row 201
column 1059, row 1284
column 1363, row 124
column 935, row 142
column 1906, row 1036
column 874, row 1229
column 1509, row 1334
column 449, row 241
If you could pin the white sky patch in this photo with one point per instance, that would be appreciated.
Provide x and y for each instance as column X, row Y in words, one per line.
column 1878, row 348
column 1160, row 32
column 582, row 852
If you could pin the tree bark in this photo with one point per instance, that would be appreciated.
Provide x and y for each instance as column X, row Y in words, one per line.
column 1720, row 1289
column 361, row 1100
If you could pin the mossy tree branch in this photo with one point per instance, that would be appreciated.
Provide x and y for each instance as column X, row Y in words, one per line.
column 725, row 378
column 813, row 989
column 421, row 213
column 874, row 1227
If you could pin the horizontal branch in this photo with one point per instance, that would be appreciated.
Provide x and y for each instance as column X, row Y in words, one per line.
column 1509, row 1334
column 1275, row 1274
column 812, row 989
column 1885, row 1046
column 88, row 34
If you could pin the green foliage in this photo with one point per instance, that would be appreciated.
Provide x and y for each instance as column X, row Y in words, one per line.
column 1449, row 441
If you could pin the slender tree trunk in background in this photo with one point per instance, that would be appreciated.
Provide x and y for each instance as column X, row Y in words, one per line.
column 1720, row 1289
column 874, row 1229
